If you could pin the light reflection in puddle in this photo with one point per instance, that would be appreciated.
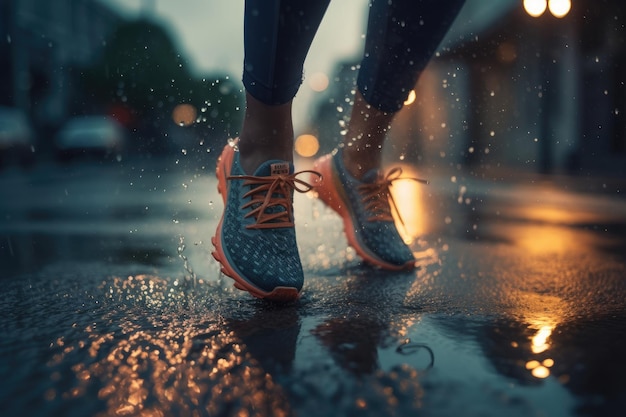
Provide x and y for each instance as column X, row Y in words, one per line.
column 539, row 341
column 160, row 349
column 166, row 357
column 542, row 314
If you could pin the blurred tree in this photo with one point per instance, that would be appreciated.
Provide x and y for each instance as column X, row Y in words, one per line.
column 141, row 78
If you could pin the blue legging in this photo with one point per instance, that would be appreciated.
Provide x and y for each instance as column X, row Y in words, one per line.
column 402, row 36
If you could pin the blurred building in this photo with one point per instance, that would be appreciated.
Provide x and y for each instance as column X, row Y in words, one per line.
column 42, row 42
column 509, row 91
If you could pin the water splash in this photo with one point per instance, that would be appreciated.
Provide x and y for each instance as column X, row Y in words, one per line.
column 191, row 275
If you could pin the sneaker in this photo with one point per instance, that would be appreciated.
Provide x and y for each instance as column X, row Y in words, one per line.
column 365, row 207
column 255, row 240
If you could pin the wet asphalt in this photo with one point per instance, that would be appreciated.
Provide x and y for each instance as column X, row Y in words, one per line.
column 112, row 304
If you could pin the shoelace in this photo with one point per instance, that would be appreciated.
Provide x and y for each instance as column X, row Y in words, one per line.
column 271, row 202
column 377, row 199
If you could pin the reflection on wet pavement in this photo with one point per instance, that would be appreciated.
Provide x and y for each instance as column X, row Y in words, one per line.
column 517, row 308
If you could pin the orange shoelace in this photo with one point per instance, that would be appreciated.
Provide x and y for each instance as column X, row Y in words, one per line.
column 378, row 200
column 271, row 198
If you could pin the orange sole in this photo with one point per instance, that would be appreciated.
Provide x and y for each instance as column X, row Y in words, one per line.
column 331, row 197
column 279, row 294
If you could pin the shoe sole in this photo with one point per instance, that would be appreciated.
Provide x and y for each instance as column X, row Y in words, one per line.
column 338, row 202
column 279, row 294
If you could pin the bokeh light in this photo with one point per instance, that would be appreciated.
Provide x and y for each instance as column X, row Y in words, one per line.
column 507, row 52
column 559, row 8
column 409, row 200
column 535, row 8
column 318, row 82
column 184, row 114
column 307, row 145
column 538, row 369
column 411, row 98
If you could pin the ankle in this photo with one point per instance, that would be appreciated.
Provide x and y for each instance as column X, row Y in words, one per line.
column 251, row 155
column 365, row 136
column 267, row 133
column 359, row 161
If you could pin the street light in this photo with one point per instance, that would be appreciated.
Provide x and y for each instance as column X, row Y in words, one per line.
column 558, row 8
column 535, row 8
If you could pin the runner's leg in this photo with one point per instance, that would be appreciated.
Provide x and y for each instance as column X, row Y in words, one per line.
column 277, row 38
column 402, row 36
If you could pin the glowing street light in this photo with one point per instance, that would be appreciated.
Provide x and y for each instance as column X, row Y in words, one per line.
column 558, row 8
column 547, row 46
column 535, row 8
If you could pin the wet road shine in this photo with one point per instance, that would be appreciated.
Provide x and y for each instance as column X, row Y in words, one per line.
column 112, row 304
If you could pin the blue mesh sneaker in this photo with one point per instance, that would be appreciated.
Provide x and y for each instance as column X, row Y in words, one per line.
column 255, row 241
column 365, row 207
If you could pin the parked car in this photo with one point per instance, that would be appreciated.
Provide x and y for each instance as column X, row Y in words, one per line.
column 99, row 136
column 17, row 139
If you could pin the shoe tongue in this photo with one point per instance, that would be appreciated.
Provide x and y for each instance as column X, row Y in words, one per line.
column 274, row 167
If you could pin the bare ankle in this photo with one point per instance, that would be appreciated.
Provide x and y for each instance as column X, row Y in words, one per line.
column 366, row 133
column 267, row 133
column 251, row 157
column 359, row 161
